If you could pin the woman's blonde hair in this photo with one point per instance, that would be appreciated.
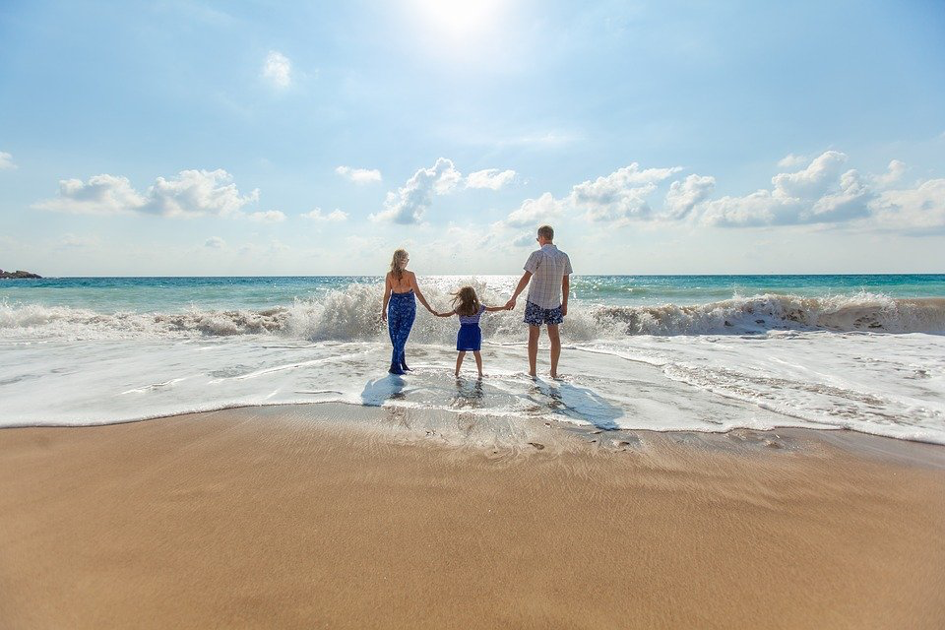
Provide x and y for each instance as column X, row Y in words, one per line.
column 398, row 263
column 468, row 301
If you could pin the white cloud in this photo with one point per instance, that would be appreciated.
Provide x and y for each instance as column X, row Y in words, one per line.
column 490, row 178
column 757, row 209
column 6, row 161
column 812, row 181
column 277, row 69
column 620, row 195
column 268, row 216
column 684, row 195
column 524, row 240
column 791, row 160
column 618, row 204
column 190, row 193
column 195, row 192
column 922, row 207
column 102, row 195
column 408, row 204
column 217, row 243
column 334, row 216
column 849, row 202
column 814, row 194
column 617, row 197
column 359, row 176
column 819, row 195
column 893, row 174
column 535, row 212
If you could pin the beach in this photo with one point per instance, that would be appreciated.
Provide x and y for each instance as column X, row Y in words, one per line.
column 352, row 516
column 472, row 314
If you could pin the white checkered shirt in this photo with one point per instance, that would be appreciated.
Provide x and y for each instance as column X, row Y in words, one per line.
column 547, row 265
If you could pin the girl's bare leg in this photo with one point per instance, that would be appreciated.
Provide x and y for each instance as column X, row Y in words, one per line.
column 459, row 361
column 478, row 362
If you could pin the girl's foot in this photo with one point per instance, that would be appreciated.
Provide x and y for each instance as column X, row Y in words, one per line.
column 456, row 374
column 480, row 375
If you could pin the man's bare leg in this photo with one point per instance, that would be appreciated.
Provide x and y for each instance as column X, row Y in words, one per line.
column 555, row 337
column 533, row 333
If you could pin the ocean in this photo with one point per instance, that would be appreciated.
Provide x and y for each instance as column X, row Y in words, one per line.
column 695, row 353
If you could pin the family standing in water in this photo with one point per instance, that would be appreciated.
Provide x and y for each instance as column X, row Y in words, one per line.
column 547, row 276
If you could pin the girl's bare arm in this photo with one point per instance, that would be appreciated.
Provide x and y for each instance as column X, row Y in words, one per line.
column 502, row 308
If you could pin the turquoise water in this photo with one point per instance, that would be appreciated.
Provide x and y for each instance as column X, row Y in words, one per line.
column 173, row 294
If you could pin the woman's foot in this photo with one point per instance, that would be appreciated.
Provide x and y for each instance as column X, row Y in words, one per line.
column 404, row 366
column 395, row 369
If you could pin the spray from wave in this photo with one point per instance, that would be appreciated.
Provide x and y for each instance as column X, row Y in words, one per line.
column 354, row 313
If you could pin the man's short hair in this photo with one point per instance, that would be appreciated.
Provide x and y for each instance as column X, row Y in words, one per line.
column 547, row 232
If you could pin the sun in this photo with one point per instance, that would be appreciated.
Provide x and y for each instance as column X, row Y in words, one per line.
column 461, row 20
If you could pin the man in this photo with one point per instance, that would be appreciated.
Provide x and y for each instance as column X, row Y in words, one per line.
column 549, row 270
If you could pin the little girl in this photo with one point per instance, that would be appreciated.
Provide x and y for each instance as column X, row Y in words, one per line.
column 469, row 311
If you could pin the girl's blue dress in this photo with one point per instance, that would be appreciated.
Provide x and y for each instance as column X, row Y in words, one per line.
column 469, row 337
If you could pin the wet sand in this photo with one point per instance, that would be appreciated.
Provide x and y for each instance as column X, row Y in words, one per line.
column 296, row 517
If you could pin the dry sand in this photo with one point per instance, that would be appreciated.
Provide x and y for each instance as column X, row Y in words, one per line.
column 286, row 517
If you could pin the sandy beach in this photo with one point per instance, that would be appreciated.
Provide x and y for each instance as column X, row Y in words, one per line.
column 339, row 516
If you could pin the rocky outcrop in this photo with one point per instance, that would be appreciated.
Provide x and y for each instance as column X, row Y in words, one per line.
column 18, row 274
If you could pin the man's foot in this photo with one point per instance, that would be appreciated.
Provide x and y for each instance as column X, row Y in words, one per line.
column 395, row 370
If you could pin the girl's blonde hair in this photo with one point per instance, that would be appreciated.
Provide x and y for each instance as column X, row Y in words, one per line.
column 468, row 301
column 398, row 263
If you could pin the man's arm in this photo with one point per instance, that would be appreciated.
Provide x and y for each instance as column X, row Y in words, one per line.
column 522, row 284
column 565, row 290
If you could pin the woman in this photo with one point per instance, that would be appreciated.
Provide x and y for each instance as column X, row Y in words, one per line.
column 400, row 307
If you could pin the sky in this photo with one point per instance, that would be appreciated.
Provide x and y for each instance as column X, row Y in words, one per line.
column 261, row 138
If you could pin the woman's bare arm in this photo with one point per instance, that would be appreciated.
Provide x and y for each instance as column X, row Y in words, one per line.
column 387, row 286
column 416, row 289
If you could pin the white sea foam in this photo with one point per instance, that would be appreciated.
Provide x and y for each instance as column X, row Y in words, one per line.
column 866, row 362
column 354, row 314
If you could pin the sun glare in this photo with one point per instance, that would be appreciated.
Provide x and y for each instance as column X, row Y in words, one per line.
column 459, row 19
